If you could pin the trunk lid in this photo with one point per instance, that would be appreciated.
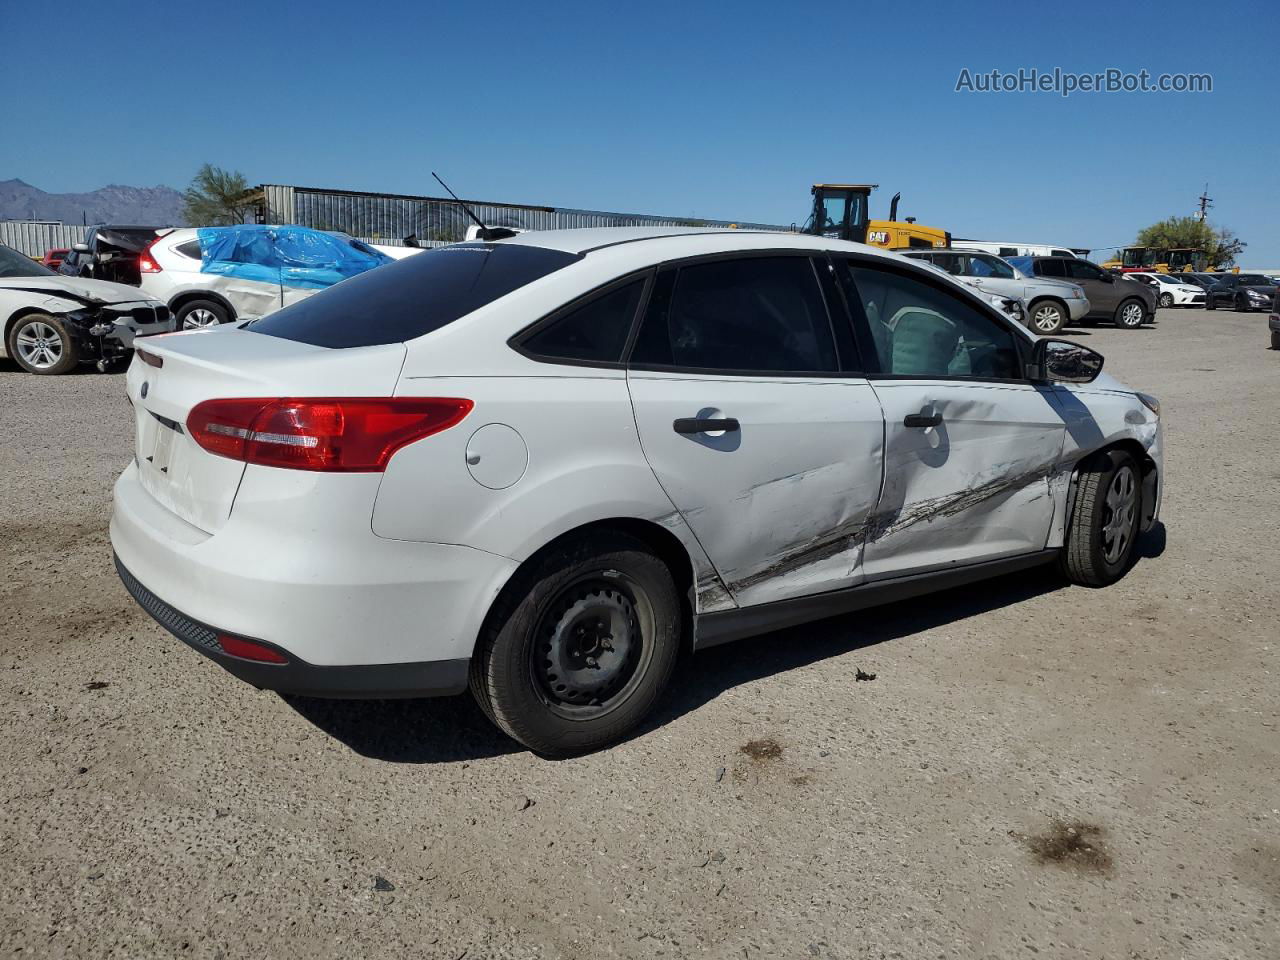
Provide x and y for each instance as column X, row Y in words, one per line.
column 199, row 486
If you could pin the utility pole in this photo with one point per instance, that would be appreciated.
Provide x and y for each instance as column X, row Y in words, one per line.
column 1206, row 202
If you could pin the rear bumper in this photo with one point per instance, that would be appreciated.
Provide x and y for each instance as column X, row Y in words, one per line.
column 355, row 614
column 436, row 678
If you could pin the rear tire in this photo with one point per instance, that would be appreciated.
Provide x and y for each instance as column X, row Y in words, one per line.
column 579, row 646
column 1047, row 318
column 39, row 344
column 1105, row 520
column 201, row 315
column 1130, row 315
column 1275, row 340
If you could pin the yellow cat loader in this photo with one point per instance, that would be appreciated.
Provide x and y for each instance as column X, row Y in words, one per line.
column 1174, row 260
column 841, row 211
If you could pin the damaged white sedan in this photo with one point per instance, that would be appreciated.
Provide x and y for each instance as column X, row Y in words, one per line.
column 50, row 324
column 541, row 467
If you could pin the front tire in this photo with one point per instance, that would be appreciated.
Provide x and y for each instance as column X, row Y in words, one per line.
column 579, row 646
column 1166, row 299
column 1130, row 315
column 1105, row 520
column 40, row 344
column 201, row 315
column 1047, row 318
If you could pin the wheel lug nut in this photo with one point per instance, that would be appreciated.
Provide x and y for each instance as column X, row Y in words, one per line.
column 592, row 662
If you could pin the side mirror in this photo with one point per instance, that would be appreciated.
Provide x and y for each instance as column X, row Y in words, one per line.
column 1064, row 361
column 80, row 247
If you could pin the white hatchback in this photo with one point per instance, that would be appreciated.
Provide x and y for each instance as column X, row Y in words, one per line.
column 543, row 467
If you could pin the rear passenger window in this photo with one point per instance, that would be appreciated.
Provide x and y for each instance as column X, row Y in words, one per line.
column 1050, row 268
column 757, row 314
column 189, row 249
column 921, row 331
column 595, row 332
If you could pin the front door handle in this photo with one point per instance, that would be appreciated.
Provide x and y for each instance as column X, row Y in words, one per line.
column 703, row 425
column 922, row 420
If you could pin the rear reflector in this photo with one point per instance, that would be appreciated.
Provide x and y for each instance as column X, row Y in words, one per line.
column 249, row 649
column 335, row 434
column 149, row 358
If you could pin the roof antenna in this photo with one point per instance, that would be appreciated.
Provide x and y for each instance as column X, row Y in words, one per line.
column 486, row 233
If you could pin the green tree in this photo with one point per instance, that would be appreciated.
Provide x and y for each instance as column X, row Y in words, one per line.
column 216, row 198
column 1220, row 245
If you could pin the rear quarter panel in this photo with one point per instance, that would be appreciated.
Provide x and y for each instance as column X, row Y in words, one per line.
column 576, row 437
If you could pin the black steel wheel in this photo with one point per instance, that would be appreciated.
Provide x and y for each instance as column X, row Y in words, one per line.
column 580, row 644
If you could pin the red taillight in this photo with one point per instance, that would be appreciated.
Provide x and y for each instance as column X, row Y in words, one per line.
column 149, row 358
column 338, row 434
column 250, row 649
column 146, row 262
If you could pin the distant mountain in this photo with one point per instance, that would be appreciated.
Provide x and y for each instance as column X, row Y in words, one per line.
column 158, row 206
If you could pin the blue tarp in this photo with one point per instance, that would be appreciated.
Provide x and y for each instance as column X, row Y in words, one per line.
column 291, row 256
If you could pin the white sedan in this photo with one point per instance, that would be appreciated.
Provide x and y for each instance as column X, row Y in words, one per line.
column 542, row 467
column 52, row 323
column 1171, row 291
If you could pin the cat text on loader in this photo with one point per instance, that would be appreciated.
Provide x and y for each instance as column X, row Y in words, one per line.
column 841, row 211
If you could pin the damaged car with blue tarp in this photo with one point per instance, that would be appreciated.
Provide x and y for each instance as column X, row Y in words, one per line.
column 213, row 275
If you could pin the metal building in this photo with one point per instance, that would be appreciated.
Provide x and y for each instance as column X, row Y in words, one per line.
column 390, row 218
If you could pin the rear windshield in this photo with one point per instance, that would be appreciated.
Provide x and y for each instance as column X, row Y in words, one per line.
column 414, row 296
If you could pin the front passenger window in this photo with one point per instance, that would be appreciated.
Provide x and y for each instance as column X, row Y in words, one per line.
column 922, row 331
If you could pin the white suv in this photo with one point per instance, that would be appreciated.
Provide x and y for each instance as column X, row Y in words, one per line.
column 1050, row 304
column 542, row 467
column 255, row 270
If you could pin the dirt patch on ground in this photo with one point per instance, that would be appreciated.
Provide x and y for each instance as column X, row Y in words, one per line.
column 1071, row 844
column 762, row 751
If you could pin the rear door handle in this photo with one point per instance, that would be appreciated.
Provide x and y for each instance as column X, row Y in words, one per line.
column 700, row 425
column 922, row 420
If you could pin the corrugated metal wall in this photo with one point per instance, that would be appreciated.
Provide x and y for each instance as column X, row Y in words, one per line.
column 33, row 238
column 389, row 218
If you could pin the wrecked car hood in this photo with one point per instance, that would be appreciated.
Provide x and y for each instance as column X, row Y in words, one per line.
column 82, row 291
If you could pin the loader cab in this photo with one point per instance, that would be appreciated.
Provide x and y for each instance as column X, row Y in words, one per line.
column 840, row 211
column 1186, row 259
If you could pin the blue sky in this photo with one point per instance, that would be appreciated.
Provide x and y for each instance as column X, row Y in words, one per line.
column 682, row 109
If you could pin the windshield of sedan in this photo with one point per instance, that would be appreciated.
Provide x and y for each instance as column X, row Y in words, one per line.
column 14, row 264
column 414, row 296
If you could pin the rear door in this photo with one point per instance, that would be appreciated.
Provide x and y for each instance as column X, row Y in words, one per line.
column 969, row 444
column 757, row 421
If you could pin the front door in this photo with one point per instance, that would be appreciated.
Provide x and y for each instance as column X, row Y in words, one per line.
column 766, row 443
column 1100, row 287
column 970, row 445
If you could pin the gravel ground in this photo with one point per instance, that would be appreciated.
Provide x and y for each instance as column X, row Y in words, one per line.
column 1035, row 769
